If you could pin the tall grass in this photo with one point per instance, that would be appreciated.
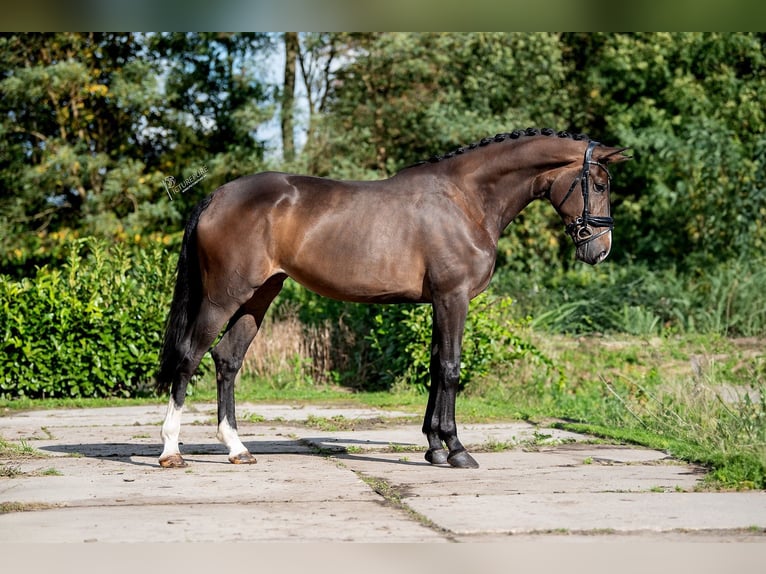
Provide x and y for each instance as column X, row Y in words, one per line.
column 729, row 299
column 707, row 421
column 702, row 399
column 288, row 352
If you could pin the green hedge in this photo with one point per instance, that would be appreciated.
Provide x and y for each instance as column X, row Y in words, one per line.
column 90, row 327
column 380, row 347
column 401, row 339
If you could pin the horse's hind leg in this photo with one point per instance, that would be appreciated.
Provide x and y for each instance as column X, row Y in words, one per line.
column 206, row 326
column 228, row 356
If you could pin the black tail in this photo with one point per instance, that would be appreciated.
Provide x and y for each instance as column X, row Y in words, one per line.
column 187, row 297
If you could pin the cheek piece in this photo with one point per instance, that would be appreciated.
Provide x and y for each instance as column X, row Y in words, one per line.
column 580, row 230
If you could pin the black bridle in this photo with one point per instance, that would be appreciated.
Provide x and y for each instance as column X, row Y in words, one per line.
column 585, row 222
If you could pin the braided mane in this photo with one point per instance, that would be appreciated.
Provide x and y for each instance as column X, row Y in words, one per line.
column 515, row 134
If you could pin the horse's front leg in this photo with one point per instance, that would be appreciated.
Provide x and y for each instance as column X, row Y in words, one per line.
column 436, row 453
column 448, row 324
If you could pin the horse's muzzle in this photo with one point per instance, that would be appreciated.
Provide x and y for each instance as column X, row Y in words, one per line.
column 595, row 251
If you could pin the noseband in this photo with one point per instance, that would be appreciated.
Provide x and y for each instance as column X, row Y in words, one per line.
column 583, row 223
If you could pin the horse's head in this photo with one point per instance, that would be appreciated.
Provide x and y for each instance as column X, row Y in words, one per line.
column 581, row 197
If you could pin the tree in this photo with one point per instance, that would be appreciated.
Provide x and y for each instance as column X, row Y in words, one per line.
column 404, row 97
column 288, row 96
column 75, row 110
column 692, row 107
column 92, row 124
column 215, row 103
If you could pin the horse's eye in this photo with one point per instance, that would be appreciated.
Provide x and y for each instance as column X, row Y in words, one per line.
column 600, row 187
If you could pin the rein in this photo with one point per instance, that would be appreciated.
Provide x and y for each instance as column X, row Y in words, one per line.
column 580, row 226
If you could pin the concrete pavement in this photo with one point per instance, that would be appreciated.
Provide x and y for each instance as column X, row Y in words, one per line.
column 351, row 474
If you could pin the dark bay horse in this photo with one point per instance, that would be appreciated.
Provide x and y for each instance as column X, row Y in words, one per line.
column 426, row 235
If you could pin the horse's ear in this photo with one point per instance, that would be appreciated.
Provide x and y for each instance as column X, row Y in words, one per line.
column 612, row 155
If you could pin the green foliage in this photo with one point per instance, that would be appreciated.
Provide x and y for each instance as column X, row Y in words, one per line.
column 692, row 107
column 91, row 124
column 401, row 340
column 91, row 327
column 389, row 346
column 405, row 97
column 727, row 299
column 65, row 128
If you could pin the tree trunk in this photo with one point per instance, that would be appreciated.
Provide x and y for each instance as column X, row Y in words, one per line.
column 288, row 96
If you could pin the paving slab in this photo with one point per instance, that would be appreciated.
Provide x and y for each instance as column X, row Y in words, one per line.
column 98, row 480
column 533, row 472
column 619, row 512
column 353, row 521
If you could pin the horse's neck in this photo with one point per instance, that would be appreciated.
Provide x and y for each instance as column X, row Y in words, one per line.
column 503, row 189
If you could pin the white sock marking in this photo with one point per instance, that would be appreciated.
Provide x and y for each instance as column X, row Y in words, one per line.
column 171, row 428
column 229, row 436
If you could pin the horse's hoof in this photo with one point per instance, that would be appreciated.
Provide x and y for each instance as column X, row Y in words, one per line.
column 461, row 459
column 242, row 458
column 173, row 461
column 436, row 455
